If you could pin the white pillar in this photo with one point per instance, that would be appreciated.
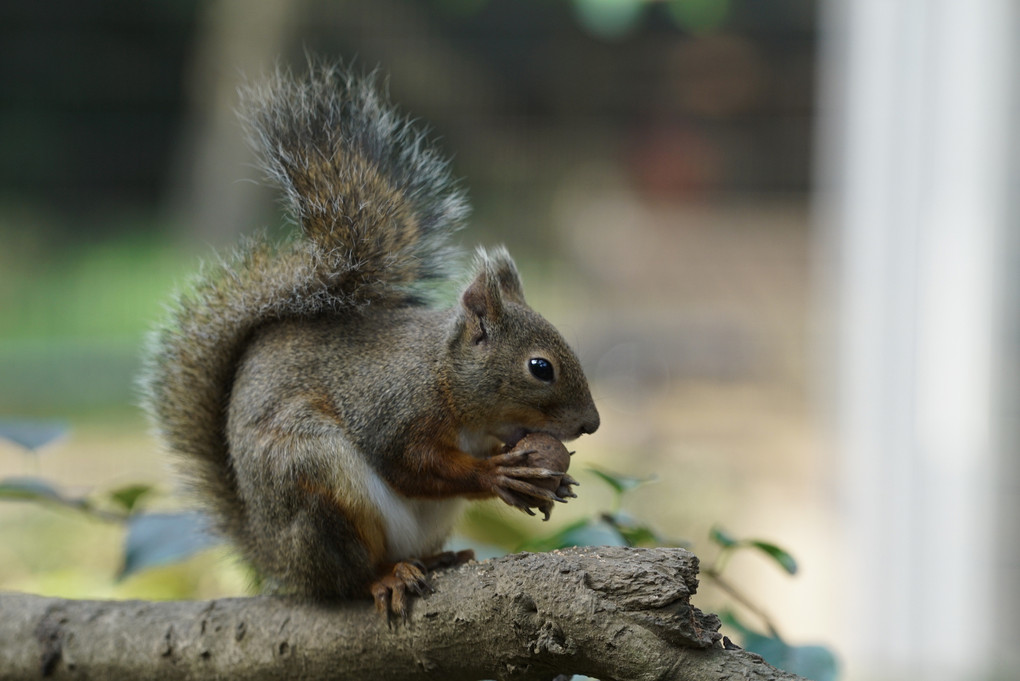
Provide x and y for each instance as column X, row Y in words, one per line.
column 916, row 131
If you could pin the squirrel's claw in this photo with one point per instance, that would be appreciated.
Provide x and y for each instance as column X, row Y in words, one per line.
column 511, row 458
column 565, row 492
column 566, row 487
column 390, row 592
column 528, row 472
column 521, row 481
column 514, row 499
column 528, row 489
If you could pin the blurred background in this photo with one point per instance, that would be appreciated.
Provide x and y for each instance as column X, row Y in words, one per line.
column 779, row 233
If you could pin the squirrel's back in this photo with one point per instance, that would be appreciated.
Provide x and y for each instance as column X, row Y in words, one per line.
column 375, row 204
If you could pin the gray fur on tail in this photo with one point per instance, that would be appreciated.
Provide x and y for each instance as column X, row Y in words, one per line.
column 376, row 204
column 355, row 172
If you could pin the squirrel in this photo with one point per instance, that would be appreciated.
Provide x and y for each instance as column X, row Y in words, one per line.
column 328, row 415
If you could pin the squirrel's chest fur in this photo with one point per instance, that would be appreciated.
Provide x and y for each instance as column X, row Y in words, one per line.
column 413, row 527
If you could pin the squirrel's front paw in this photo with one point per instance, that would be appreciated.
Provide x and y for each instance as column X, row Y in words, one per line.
column 533, row 474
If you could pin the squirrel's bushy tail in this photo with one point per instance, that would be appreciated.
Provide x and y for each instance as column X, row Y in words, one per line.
column 375, row 203
column 358, row 175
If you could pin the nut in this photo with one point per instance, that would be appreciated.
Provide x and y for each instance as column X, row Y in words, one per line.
column 547, row 452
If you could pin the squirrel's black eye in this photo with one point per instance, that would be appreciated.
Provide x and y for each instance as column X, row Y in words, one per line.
column 542, row 369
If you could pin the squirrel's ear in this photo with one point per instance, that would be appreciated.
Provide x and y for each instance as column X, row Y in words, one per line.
column 495, row 283
column 502, row 271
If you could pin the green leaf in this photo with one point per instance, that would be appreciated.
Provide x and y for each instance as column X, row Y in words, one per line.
column 593, row 534
column 40, row 491
column 161, row 538
column 585, row 532
column 699, row 16
column 785, row 560
column 620, row 483
column 29, row 489
column 636, row 533
column 722, row 538
column 492, row 524
column 639, row 535
column 609, row 19
column 782, row 557
column 814, row 662
column 127, row 497
column 551, row 542
column 31, row 435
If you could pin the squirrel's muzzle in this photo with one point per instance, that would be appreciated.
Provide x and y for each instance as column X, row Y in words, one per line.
column 590, row 423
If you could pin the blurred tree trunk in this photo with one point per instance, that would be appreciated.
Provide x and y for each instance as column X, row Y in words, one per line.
column 235, row 39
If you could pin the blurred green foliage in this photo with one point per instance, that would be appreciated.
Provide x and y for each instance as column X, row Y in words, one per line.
column 73, row 321
column 110, row 289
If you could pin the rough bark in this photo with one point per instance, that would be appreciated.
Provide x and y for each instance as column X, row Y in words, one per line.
column 610, row 613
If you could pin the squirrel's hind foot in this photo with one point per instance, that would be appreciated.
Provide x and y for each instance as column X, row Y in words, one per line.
column 393, row 590
column 390, row 591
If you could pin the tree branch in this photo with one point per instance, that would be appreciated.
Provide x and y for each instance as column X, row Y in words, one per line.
column 611, row 613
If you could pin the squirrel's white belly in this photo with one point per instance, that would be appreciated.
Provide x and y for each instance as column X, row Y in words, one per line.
column 415, row 528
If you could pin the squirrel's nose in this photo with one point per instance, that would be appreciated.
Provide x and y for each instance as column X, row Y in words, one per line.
column 590, row 424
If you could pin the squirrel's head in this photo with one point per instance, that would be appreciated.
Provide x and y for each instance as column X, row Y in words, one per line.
column 507, row 356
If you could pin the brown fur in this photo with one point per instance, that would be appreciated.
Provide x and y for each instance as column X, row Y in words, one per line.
column 326, row 416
